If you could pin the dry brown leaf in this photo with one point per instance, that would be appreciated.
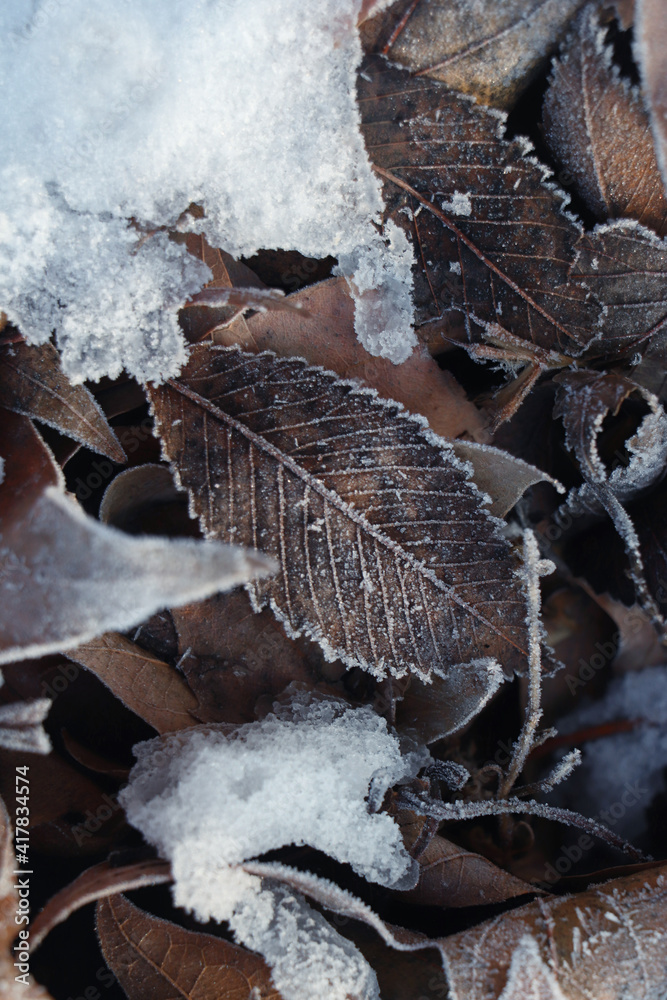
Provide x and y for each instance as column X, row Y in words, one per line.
column 32, row 382
column 607, row 943
column 451, row 876
column 489, row 231
column 96, row 883
column 597, row 128
column 388, row 557
column 625, row 266
column 237, row 662
column 651, row 53
column 66, row 578
column 152, row 689
column 324, row 334
column 442, row 707
column 154, row 959
column 501, row 475
column 481, row 47
column 583, row 400
column 144, row 500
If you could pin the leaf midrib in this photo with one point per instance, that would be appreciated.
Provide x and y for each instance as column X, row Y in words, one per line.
column 335, row 501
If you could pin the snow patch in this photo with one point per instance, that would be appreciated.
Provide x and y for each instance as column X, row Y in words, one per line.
column 134, row 111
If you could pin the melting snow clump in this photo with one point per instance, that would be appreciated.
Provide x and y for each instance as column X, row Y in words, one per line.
column 213, row 797
column 118, row 116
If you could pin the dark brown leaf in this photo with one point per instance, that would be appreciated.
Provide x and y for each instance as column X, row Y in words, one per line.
column 481, row 47
column 584, row 399
column 145, row 500
column 608, row 943
column 157, row 960
column 33, row 383
column 147, row 686
column 388, row 557
column 490, row 233
column 66, row 578
column 451, row 876
column 598, row 129
column 442, row 707
column 625, row 266
column 70, row 815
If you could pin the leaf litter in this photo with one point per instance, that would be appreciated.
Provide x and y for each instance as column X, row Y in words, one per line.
column 312, row 754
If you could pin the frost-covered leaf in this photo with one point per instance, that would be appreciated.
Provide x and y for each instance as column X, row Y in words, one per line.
column 21, row 726
column 608, row 943
column 651, row 53
column 502, row 476
column 154, row 959
column 388, row 557
column 450, row 876
column 149, row 687
column 598, row 129
column 98, row 882
column 449, row 700
column 493, row 239
column 625, row 266
column 481, row 47
column 65, row 578
column 584, row 399
column 323, row 334
column 32, row 382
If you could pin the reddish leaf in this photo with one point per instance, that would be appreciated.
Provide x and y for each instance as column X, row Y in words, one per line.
column 147, row 686
column 451, row 876
column 157, row 960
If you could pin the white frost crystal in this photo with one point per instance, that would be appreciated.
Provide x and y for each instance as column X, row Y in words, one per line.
column 131, row 111
column 213, row 797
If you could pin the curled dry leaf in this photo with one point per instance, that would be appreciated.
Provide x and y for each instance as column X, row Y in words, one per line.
column 66, row 578
column 489, row 230
column 587, row 108
column 488, row 49
column 608, row 943
column 583, row 400
column 32, row 382
column 152, row 689
column 387, row 555
column 154, row 959
column 96, row 883
column 442, row 706
column 451, row 876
